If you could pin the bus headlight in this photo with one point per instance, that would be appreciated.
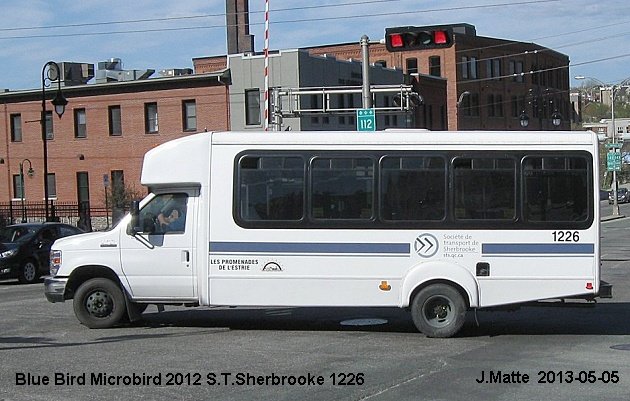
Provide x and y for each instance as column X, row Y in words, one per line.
column 55, row 262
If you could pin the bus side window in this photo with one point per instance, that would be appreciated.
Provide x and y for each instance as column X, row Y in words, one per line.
column 485, row 188
column 556, row 189
column 413, row 188
column 342, row 188
column 271, row 188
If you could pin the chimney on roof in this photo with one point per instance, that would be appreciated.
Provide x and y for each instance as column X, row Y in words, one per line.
column 237, row 18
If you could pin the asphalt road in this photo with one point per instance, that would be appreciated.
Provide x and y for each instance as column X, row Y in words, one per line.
column 537, row 353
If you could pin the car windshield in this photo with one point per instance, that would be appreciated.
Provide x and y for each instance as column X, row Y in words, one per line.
column 16, row 234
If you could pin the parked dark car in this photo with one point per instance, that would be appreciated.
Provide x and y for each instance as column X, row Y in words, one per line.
column 603, row 194
column 623, row 196
column 25, row 248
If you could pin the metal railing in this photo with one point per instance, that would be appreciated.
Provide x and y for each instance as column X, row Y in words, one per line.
column 81, row 215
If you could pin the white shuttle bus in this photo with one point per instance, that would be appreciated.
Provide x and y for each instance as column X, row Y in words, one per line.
column 436, row 222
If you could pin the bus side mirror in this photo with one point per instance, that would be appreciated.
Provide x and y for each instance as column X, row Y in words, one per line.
column 133, row 228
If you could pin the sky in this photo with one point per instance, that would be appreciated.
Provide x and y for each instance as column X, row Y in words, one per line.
column 152, row 34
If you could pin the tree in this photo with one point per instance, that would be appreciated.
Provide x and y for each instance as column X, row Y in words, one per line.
column 595, row 111
column 119, row 198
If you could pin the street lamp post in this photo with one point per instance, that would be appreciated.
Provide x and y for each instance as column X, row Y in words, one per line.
column 613, row 135
column 30, row 173
column 50, row 73
column 536, row 101
column 459, row 104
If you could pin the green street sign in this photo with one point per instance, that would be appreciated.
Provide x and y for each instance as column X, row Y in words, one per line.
column 613, row 161
column 366, row 120
column 617, row 145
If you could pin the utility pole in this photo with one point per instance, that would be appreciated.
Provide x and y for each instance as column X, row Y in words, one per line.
column 365, row 60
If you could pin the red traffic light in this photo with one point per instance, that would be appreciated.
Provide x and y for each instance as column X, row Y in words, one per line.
column 418, row 38
column 440, row 37
column 396, row 40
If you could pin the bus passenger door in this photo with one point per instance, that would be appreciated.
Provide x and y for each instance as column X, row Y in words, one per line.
column 158, row 260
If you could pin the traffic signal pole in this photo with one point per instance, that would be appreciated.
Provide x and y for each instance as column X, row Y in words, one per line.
column 365, row 60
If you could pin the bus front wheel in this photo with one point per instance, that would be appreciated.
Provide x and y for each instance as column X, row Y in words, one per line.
column 99, row 303
column 438, row 310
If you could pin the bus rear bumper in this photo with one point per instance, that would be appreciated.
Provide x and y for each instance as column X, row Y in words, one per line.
column 605, row 290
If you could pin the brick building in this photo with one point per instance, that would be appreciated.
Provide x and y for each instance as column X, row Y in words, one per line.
column 490, row 82
column 495, row 79
column 105, row 131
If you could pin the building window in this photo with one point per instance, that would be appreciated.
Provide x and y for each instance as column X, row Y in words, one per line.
column 115, row 122
column 516, row 70
column 16, row 128
column 118, row 179
column 118, row 188
column 49, row 126
column 474, row 105
column 382, row 63
column 412, row 65
column 315, row 106
column 252, row 107
column 473, row 68
column 350, row 98
column 150, row 118
column 493, row 68
column 52, row 186
column 469, row 67
column 341, row 105
column 80, row 125
column 515, row 110
column 464, row 67
column 490, row 105
column 189, row 115
column 17, row 187
column 83, row 187
column 498, row 105
column 435, row 66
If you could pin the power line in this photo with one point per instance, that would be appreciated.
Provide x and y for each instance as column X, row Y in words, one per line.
column 188, row 17
column 299, row 20
column 548, row 37
column 536, row 51
column 619, row 56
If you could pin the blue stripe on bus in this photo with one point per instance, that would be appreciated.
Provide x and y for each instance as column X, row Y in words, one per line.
column 310, row 247
column 497, row 249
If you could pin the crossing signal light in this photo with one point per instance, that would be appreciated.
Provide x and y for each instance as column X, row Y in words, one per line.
column 418, row 38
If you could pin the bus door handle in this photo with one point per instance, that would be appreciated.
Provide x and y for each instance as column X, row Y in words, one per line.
column 185, row 256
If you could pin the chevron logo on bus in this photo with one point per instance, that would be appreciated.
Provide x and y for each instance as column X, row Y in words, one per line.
column 426, row 245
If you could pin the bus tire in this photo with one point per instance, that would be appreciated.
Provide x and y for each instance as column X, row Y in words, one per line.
column 99, row 303
column 438, row 310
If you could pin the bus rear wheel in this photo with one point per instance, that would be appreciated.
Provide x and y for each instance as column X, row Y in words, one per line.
column 438, row 310
column 99, row 303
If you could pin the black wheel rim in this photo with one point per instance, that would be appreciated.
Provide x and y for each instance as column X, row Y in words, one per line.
column 438, row 311
column 99, row 304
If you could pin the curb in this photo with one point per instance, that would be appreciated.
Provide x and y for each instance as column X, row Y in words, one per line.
column 609, row 218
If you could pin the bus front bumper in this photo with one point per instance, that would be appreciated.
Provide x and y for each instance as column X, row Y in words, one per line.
column 54, row 288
